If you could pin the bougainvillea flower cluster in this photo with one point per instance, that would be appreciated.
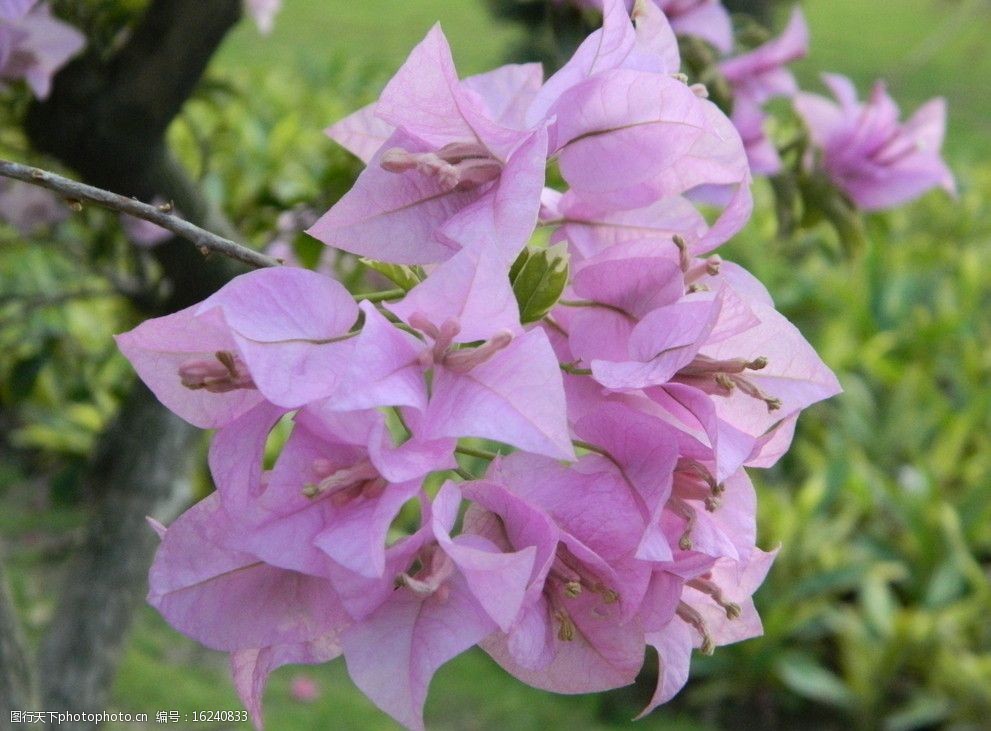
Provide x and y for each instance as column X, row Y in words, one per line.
column 537, row 444
column 861, row 149
column 877, row 161
column 33, row 44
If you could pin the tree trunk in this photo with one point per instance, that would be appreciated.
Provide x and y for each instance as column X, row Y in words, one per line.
column 16, row 676
column 107, row 120
column 140, row 472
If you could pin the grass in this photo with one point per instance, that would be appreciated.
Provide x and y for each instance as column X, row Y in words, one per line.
column 923, row 48
column 379, row 32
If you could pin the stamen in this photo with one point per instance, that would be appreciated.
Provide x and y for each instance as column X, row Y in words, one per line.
column 420, row 322
column 442, row 343
column 703, row 365
column 686, row 511
column 566, row 630
column 462, row 361
column 574, row 578
column 684, row 256
column 726, row 374
column 437, row 567
column 773, row 404
column 443, row 337
column 709, row 587
column 398, row 160
column 692, row 617
column 361, row 475
column 459, row 165
column 724, row 382
column 609, row 596
column 226, row 373
column 689, row 466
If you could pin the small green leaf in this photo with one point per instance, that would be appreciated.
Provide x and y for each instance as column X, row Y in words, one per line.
column 803, row 675
column 539, row 278
column 404, row 277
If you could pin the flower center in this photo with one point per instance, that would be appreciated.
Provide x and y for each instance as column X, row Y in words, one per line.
column 569, row 576
column 226, row 373
column 457, row 166
column 445, row 352
column 345, row 484
column 435, row 568
column 727, row 375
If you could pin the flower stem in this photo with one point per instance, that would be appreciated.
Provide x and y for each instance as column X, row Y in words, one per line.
column 472, row 452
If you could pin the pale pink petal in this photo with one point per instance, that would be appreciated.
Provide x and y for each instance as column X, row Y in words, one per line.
column 707, row 20
column 618, row 131
column 470, row 287
column 158, row 347
column 250, row 668
column 230, row 600
column 508, row 91
column 394, row 216
column 361, row 133
column 502, row 220
column 674, row 652
column 605, row 49
column 516, row 397
column 384, row 369
column 393, row 654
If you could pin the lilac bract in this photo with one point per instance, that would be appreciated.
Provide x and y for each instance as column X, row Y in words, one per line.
column 598, row 453
column 34, row 45
column 876, row 160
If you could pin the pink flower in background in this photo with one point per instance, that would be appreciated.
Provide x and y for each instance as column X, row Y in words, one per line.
column 705, row 19
column 29, row 208
column 304, row 689
column 263, row 12
column 14, row 9
column 146, row 234
column 876, row 160
column 34, row 46
column 759, row 76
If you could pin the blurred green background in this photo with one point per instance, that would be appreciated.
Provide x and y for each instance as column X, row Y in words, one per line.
column 878, row 610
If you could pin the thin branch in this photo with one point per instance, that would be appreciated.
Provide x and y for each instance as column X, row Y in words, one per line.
column 75, row 191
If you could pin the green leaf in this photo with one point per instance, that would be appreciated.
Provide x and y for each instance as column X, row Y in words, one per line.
column 539, row 278
column 922, row 711
column 402, row 276
column 802, row 674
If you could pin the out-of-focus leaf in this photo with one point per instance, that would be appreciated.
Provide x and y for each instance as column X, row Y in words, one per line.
column 803, row 675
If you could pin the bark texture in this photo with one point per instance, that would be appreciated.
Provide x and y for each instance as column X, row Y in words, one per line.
column 16, row 671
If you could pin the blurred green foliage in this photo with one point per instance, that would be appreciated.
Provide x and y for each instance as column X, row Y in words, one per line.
column 877, row 610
